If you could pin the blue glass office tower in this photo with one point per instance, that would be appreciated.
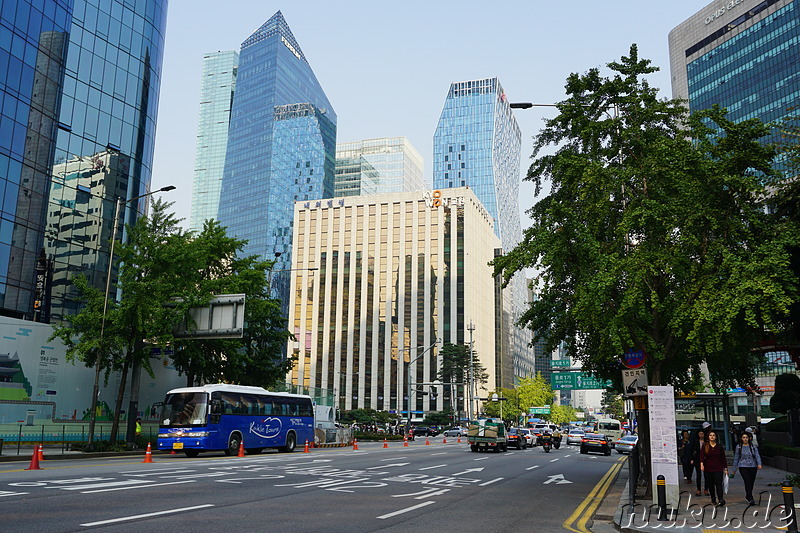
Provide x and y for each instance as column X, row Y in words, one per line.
column 78, row 94
column 741, row 55
column 216, row 98
column 477, row 145
column 281, row 144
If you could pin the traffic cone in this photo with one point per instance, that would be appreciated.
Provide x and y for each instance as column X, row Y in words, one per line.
column 305, row 450
column 355, row 444
column 444, row 440
column 241, row 450
column 385, row 443
column 173, row 452
column 34, row 461
column 459, row 440
column 41, row 452
column 405, row 442
column 148, row 455
column 427, row 441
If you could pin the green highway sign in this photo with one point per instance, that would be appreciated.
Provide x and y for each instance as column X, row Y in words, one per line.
column 545, row 410
column 560, row 363
column 576, row 381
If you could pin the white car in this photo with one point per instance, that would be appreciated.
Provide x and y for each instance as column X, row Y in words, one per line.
column 529, row 436
column 575, row 435
column 455, row 432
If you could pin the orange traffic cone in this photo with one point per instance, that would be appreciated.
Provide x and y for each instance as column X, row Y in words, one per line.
column 427, row 441
column 305, row 450
column 34, row 461
column 173, row 452
column 385, row 443
column 41, row 452
column 459, row 440
column 241, row 450
column 148, row 455
column 444, row 440
column 355, row 444
column 405, row 442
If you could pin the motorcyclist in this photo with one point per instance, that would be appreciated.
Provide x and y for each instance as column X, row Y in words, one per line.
column 556, row 435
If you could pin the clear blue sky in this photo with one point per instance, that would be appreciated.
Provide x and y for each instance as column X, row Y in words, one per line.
column 386, row 66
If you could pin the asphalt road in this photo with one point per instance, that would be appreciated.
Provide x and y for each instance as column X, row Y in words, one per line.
column 440, row 487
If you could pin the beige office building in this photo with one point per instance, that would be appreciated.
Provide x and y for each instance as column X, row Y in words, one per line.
column 381, row 278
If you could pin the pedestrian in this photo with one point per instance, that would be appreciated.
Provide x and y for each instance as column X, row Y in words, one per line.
column 753, row 438
column 685, row 450
column 697, row 443
column 714, row 465
column 747, row 460
column 138, row 427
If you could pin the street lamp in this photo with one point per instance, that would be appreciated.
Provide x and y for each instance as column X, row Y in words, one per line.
column 101, row 351
column 408, row 378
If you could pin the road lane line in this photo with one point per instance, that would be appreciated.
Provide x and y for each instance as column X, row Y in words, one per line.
column 401, row 511
column 127, row 482
column 532, row 467
column 432, row 467
column 147, row 515
column 589, row 505
column 135, row 487
column 490, row 482
column 553, row 460
column 480, row 459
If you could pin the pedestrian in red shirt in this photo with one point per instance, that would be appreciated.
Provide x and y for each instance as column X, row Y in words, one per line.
column 714, row 465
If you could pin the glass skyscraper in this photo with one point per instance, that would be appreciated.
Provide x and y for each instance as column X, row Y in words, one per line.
column 281, row 144
column 382, row 165
column 477, row 145
column 79, row 86
column 216, row 98
column 740, row 55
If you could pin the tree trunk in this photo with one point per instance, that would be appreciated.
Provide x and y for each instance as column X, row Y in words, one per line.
column 118, row 403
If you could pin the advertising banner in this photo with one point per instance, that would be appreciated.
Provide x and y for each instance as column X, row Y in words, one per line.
column 663, row 440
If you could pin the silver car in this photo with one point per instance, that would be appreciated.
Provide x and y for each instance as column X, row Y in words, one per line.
column 575, row 435
column 455, row 432
column 626, row 444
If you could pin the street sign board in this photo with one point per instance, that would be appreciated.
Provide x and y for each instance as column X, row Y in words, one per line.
column 634, row 382
column 634, row 358
column 576, row 381
column 544, row 410
column 560, row 363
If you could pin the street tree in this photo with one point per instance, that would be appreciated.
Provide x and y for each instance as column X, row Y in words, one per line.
column 534, row 392
column 457, row 368
column 507, row 406
column 561, row 414
column 613, row 405
column 653, row 235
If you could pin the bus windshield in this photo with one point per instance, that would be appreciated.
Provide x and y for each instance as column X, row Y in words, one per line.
column 185, row 409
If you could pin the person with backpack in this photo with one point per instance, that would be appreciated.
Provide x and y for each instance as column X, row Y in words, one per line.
column 747, row 461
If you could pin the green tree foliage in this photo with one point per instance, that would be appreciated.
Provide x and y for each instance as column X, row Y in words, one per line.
column 653, row 235
column 561, row 414
column 613, row 405
column 509, row 409
column 439, row 418
column 534, row 392
column 456, row 365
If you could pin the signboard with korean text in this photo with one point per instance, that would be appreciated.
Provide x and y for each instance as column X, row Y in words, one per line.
column 544, row 410
column 577, row 381
column 663, row 441
column 560, row 363
column 634, row 382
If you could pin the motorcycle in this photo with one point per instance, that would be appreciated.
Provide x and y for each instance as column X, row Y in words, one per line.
column 556, row 442
column 547, row 442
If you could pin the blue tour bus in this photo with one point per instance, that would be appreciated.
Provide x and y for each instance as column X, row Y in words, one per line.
column 221, row 417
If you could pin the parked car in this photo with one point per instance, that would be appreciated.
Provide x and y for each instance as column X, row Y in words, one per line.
column 455, row 432
column 575, row 435
column 626, row 444
column 425, row 431
column 516, row 439
column 595, row 442
column 530, row 438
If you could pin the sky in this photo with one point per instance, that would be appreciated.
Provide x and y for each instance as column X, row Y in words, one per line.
column 386, row 66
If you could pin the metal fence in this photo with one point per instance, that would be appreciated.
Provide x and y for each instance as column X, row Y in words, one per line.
column 14, row 437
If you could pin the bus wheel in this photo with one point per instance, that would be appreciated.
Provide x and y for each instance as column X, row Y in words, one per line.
column 233, row 444
column 191, row 453
column 291, row 442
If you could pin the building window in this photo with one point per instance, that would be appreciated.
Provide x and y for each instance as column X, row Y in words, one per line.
column 462, row 147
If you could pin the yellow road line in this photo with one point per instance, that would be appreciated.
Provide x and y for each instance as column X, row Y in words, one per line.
column 584, row 512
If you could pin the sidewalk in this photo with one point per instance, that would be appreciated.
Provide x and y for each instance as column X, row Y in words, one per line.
column 695, row 513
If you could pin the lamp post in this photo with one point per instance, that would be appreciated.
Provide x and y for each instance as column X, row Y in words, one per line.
column 408, row 378
column 101, row 350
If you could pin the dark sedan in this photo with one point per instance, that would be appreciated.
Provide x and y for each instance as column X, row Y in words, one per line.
column 595, row 442
column 425, row 431
column 516, row 439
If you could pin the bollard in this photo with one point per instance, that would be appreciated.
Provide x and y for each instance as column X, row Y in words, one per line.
column 788, row 503
column 632, row 478
column 661, row 489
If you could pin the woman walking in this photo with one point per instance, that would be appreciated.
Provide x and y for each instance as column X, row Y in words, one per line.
column 696, row 445
column 747, row 460
column 714, row 465
column 685, row 450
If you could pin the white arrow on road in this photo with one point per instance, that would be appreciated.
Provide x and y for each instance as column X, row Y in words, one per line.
column 468, row 470
column 558, row 479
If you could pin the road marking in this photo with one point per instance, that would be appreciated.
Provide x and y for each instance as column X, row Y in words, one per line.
column 423, row 493
column 558, row 479
column 387, row 466
column 401, row 511
column 8, row 493
column 480, row 459
column 136, row 487
column 438, row 453
column 432, row 467
column 532, row 467
column 394, row 458
column 148, row 515
column 570, row 455
column 468, row 470
column 553, row 460
column 490, row 482
column 589, row 505
column 127, row 482
column 157, row 472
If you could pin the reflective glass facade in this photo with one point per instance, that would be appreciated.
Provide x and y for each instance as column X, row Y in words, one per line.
column 383, row 165
column 258, row 184
column 216, row 98
column 477, row 145
column 79, row 86
column 391, row 273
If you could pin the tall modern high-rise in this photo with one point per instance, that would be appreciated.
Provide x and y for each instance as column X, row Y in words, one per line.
column 477, row 145
column 79, row 83
column 382, row 165
column 281, row 144
column 216, row 98
column 740, row 54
